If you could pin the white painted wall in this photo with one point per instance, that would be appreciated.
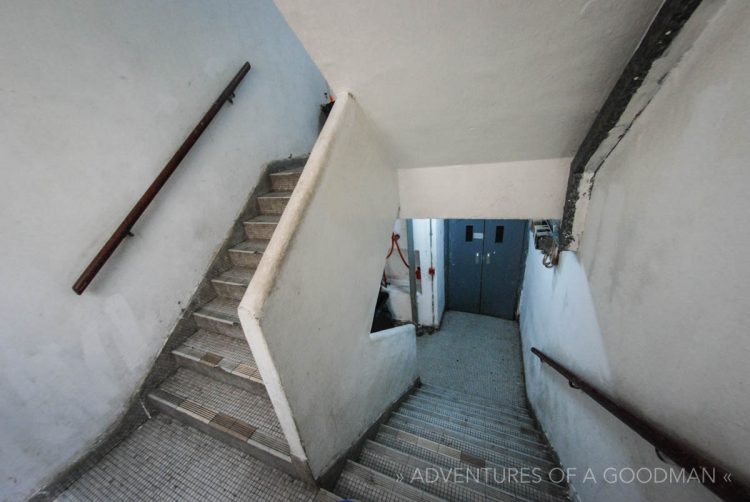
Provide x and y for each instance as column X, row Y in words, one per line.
column 655, row 311
column 473, row 81
column 308, row 311
column 509, row 190
column 95, row 96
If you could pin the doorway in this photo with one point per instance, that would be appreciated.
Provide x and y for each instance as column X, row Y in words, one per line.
column 484, row 266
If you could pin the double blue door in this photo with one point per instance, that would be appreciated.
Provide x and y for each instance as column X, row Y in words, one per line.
column 484, row 266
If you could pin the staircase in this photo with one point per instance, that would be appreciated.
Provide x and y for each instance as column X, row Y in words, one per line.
column 442, row 444
column 217, row 388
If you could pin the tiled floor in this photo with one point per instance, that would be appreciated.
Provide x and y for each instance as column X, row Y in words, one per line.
column 476, row 354
column 167, row 461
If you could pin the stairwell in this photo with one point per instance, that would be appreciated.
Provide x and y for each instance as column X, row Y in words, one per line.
column 216, row 390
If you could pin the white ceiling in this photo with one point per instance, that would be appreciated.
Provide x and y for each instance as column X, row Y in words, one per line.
column 473, row 81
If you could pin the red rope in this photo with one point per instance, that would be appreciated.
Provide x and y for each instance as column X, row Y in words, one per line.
column 394, row 241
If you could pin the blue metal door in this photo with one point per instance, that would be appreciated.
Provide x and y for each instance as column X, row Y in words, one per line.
column 484, row 266
column 465, row 264
column 501, row 267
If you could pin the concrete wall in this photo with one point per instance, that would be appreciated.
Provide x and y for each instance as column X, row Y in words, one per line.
column 308, row 311
column 510, row 190
column 95, row 96
column 655, row 310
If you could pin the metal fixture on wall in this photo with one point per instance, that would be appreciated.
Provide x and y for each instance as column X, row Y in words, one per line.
column 547, row 240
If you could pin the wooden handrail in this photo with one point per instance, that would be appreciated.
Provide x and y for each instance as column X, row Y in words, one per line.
column 124, row 229
column 721, row 482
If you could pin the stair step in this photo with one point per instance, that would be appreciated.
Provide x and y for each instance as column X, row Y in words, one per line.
column 363, row 484
column 233, row 283
column 523, row 432
column 261, row 227
column 221, row 357
column 326, row 496
column 248, row 253
column 285, row 180
column 240, row 419
column 274, row 202
column 520, row 440
column 220, row 316
column 537, row 487
column 428, row 402
column 498, row 449
column 423, row 475
column 468, row 399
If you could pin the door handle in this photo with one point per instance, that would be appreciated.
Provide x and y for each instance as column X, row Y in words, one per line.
column 488, row 258
column 476, row 259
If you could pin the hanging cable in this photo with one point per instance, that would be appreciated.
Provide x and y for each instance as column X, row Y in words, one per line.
column 394, row 243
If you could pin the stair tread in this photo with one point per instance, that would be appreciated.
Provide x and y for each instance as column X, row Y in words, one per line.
column 326, row 496
column 494, row 446
column 451, row 395
column 508, row 417
column 362, row 483
column 254, row 410
column 227, row 347
column 224, row 309
column 408, row 472
column 236, row 275
column 278, row 194
column 522, row 441
column 523, row 432
column 288, row 172
column 265, row 219
column 251, row 246
column 446, row 457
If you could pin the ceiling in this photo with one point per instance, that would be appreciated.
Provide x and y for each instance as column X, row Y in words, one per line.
column 473, row 81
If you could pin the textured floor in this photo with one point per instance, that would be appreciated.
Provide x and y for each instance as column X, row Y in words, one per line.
column 254, row 409
column 477, row 354
column 165, row 460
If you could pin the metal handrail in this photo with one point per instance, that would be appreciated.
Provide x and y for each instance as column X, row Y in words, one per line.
column 721, row 481
column 127, row 224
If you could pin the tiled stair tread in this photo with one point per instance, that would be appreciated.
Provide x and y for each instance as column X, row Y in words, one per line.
column 522, row 432
column 326, row 496
column 500, row 441
column 437, row 433
column 490, row 453
column 254, row 409
column 474, row 401
column 520, row 441
column 237, row 275
column 225, row 352
column 499, row 413
column 265, row 218
column 485, row 421
column 359, row 482
column 386, row 461
column 276, row 195
column 471, row 398
column 395, row 461
column 168, row 460
column 224, row 309
column 288, row 172
column 450, row 458
column 422, row 401
column 251, row 246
